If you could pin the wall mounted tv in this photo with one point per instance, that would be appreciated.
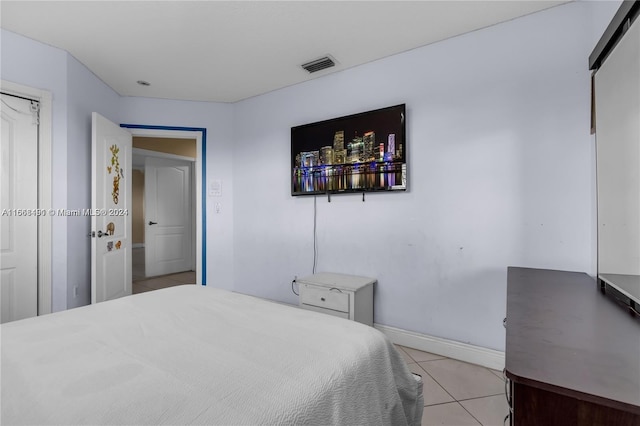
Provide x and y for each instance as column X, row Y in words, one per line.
column 356, row 153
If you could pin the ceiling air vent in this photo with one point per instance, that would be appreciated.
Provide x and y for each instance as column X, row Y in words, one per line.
column 319, row 64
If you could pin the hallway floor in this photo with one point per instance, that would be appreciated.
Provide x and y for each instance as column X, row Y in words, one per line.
column 163, row 281
column 142, row 283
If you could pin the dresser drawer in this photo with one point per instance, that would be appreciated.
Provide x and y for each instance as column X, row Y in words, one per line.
column 324, row 298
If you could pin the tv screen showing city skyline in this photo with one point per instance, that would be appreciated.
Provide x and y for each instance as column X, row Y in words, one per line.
column 356, row 153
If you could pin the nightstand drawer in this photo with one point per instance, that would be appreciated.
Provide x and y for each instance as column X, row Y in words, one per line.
column 324, row 298
column 338, row 314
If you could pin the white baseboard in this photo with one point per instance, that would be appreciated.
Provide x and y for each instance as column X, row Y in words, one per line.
column 137, row 245
column 489, row 358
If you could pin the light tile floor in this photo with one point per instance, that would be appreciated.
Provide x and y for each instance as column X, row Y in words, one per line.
column 457, row 393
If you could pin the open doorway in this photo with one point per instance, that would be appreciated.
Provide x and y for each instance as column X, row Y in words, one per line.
column 199, row 173
column 163, row 212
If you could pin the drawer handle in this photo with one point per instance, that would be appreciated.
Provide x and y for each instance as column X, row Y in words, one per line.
column 322, row 298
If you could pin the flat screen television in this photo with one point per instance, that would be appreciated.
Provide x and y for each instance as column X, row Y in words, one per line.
column 357, row 153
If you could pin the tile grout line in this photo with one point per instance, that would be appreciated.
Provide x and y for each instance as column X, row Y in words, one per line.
column 472, row 416
column 479, row 397
column 471, row 399
column 438, row 383
column 457, row 401
column 445, row 389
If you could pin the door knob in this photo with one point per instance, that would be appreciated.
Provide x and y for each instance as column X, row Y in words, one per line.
column 153, row 223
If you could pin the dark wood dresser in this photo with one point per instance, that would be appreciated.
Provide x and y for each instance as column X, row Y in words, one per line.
column 572, row 353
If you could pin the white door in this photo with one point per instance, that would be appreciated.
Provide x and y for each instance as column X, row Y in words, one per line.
column 167, row 206
column 111, row 210
column 19, row 205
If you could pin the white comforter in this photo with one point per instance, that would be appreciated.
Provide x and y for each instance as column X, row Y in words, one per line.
column 197, row 355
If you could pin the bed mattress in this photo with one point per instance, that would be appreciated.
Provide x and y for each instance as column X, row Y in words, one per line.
column 199, row 355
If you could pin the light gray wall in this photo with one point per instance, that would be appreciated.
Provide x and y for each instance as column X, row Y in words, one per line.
column 500, row 173
column 85, row 93
column 76, row 93
column 34, row 64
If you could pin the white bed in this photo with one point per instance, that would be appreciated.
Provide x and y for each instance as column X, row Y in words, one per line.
column 198, row 355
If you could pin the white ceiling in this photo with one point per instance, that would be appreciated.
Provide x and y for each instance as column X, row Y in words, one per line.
column 225, row 51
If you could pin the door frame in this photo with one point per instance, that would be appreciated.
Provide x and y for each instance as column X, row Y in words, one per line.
column 45, row 179
column 200, row 135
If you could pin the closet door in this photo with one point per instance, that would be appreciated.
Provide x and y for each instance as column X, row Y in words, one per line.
column 19, row 207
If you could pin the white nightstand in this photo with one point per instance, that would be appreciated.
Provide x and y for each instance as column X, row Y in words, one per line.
column 345, row 296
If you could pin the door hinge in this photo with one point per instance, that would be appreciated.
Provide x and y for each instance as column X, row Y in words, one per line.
column 35, row 111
